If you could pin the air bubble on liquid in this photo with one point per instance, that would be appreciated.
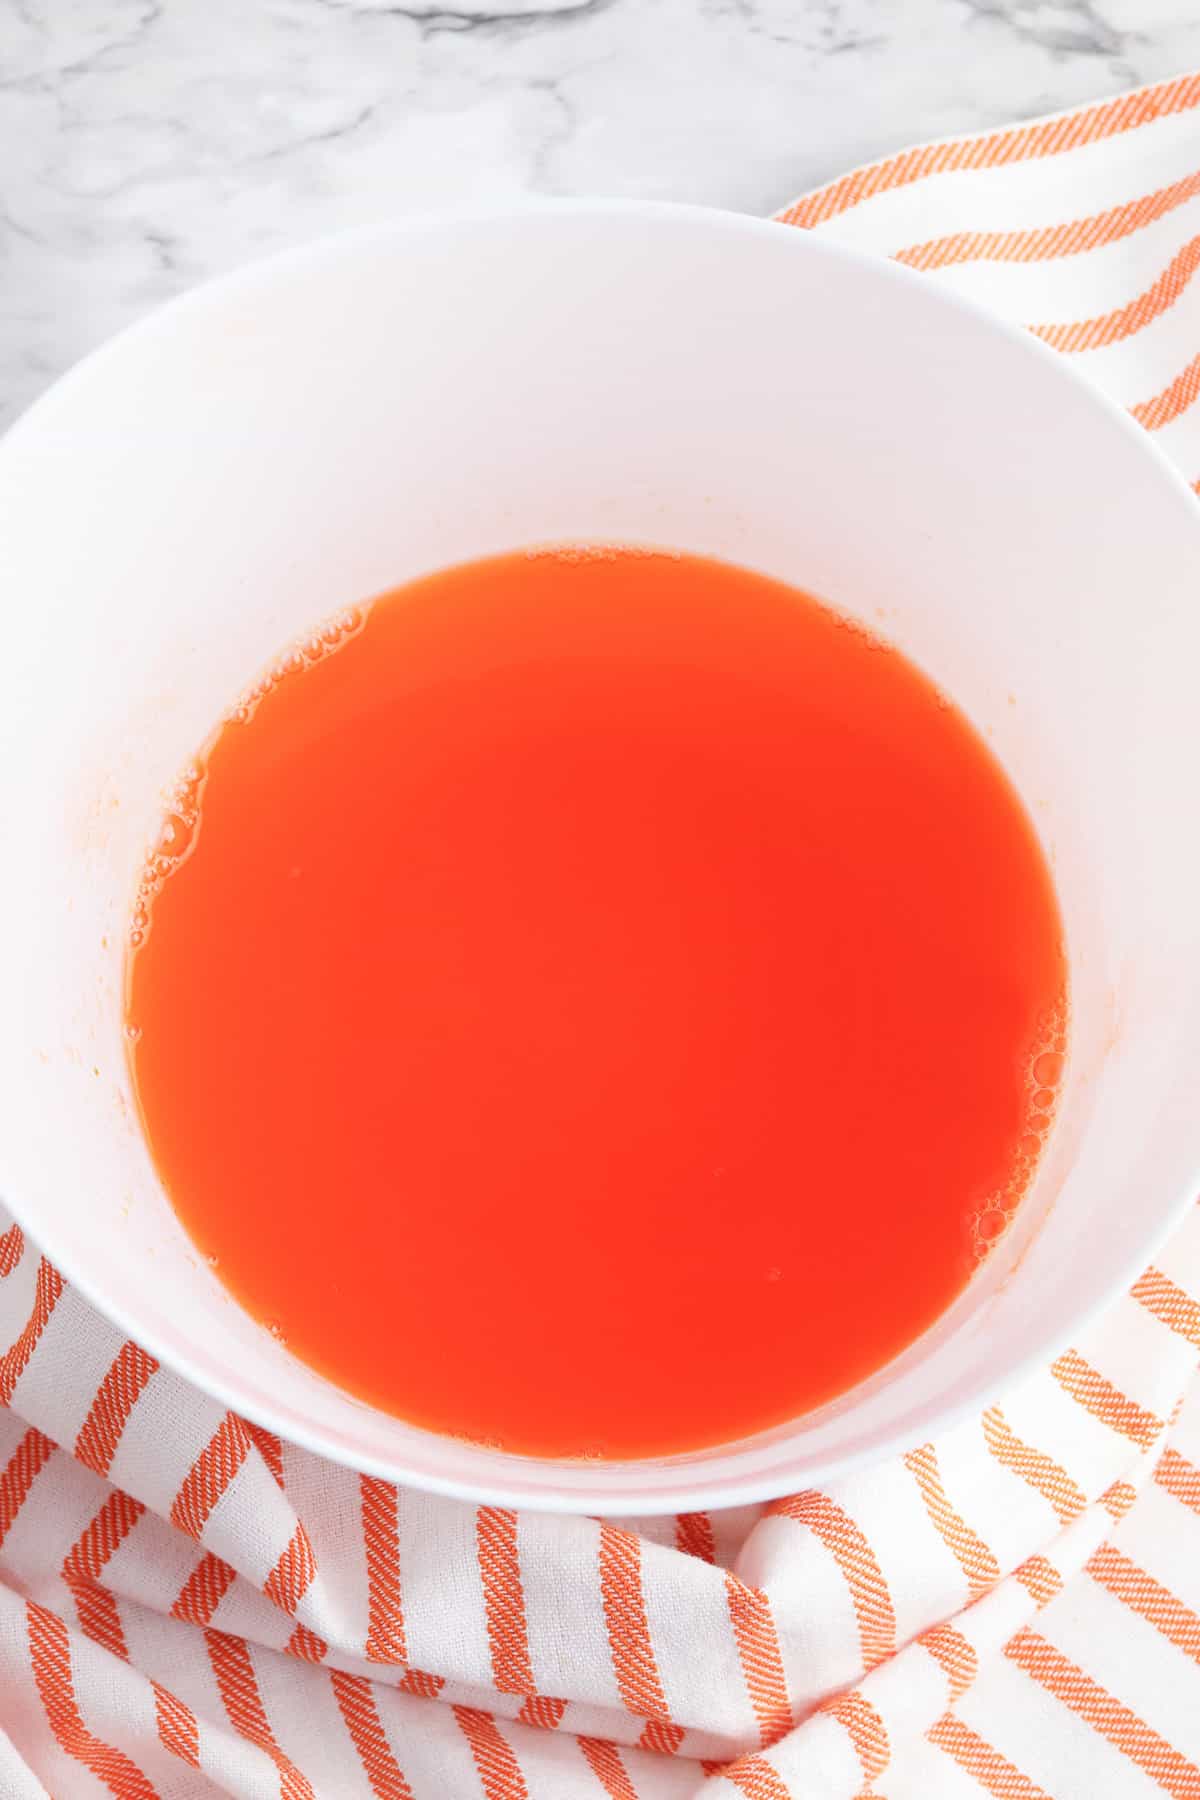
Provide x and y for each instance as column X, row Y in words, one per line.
column 1043, row 1078
column 133, row 1033
column 859, row 629
column 182, row 803
column 604, row 552
column 213, row 1260
column 988, row 1227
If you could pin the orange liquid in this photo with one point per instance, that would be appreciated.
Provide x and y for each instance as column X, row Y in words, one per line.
column 597, row 1010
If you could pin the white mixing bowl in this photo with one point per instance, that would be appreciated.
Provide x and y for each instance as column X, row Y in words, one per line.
column 330, row 423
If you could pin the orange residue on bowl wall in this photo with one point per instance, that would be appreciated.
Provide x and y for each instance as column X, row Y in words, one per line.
column 596, row 1002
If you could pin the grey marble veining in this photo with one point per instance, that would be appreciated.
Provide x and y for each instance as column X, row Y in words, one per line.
column 145, row 144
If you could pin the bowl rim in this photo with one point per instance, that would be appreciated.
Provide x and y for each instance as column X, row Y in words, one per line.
column 691, row 1489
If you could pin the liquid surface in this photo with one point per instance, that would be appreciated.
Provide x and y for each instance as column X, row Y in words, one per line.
column 596, row 1003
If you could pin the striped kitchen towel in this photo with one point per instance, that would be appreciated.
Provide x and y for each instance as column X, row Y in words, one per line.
column 189, row 1607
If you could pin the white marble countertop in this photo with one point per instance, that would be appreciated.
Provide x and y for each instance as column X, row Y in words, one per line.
column 145, row 144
